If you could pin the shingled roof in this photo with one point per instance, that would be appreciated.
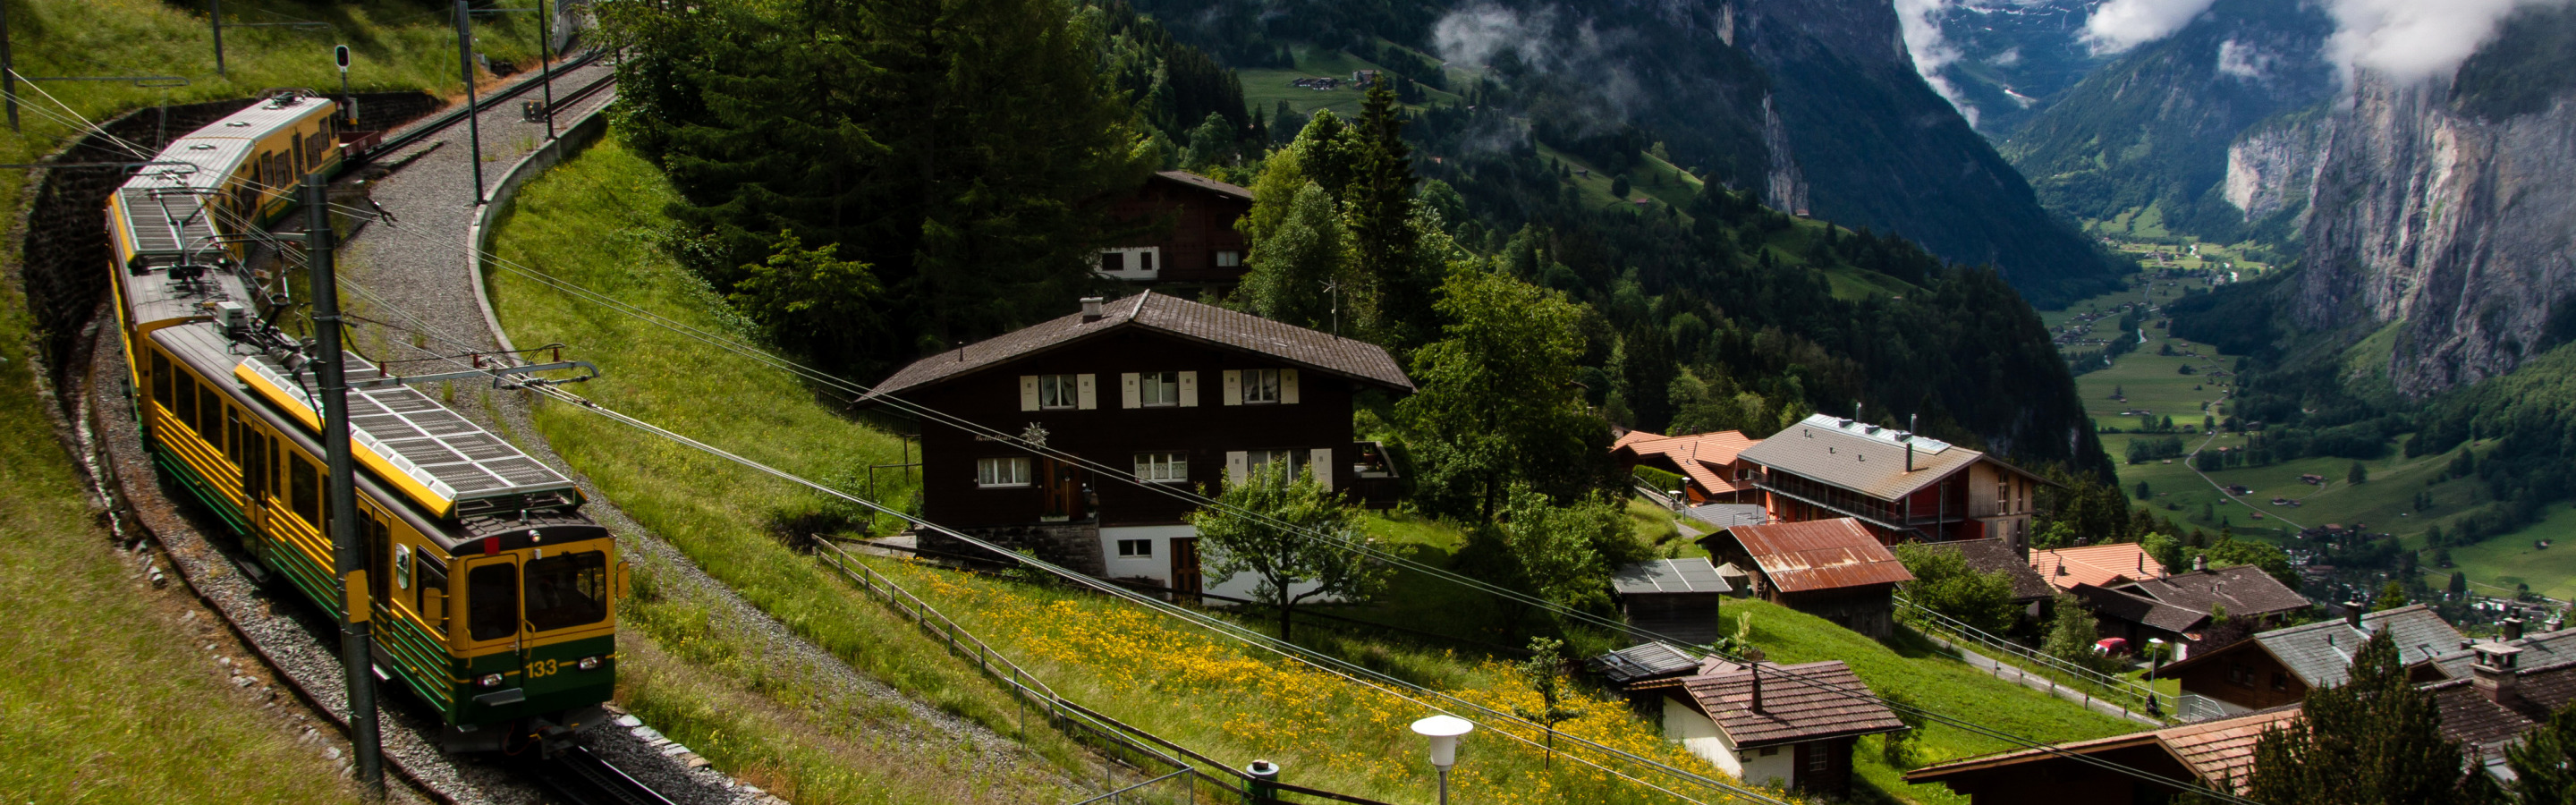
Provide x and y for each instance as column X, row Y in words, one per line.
column 1169, row 315
column 2244, row 589
column 2216, row 751
column 1864, row 458
column 1803, row 702
column 1205, row 183
column 1996, row 555
column 1819, row 554
column 2320, row 654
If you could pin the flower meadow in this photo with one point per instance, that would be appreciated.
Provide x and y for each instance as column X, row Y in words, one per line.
column 1237, row 703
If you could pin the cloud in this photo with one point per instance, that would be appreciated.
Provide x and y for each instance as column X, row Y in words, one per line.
column 1931, row 50
column 2120, row 25
column 2412, row 40
column 2007, row 58
column 1544, row 43
column 2243, row 60
column 1475, row 34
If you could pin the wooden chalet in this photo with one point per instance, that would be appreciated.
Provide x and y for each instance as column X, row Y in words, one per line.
column 1791, row 726
column 1902, row 486
column 2214, row 755
column 1164, row 395
column 1185, row 233
column 2181, row 609
column 1676, row 598
column 1705, row 461
column 1833, row 569
column 2280, row 666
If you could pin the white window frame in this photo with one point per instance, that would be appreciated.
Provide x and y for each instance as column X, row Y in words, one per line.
column 1229, row 258
column 1135, row 549
column 1158, row 389
column 1059, row 392
column 1163, row 467
column 1255, row 460
column 1002, row 472
column 1261, row 387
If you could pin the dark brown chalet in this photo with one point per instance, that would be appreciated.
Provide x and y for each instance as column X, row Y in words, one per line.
column 1165, row 395
column 1189, row 237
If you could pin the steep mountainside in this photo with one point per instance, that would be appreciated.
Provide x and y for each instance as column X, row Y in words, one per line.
column 1813, row 103
column 2002, row 61
column 2451, row 206
column 2156, row 126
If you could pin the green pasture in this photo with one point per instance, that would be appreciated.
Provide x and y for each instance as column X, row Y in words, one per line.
column 2496, row 564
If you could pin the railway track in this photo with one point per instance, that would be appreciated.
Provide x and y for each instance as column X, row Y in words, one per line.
column 441, row 121
column 582, row 778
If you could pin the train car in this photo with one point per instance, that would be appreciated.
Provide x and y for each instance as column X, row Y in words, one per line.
column 493, row 595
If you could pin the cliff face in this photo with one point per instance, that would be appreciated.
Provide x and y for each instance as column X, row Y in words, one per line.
column 2461, row 225
column 2272, row 168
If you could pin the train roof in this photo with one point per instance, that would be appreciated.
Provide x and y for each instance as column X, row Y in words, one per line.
column 437, row 457
column 163, row 205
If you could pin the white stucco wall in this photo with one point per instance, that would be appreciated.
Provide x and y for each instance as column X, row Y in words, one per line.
column 1701, row 736
column 1159, row 565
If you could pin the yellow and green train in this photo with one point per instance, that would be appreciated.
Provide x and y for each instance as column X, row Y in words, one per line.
column 492, row 596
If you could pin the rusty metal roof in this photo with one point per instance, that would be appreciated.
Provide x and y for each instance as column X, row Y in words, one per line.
column 1820, row 555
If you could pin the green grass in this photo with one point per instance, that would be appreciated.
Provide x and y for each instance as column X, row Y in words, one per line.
column 593, row 221
column 2496, row 564
column 1264, row 88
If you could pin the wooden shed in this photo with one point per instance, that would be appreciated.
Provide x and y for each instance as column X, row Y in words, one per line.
column 1671, row 599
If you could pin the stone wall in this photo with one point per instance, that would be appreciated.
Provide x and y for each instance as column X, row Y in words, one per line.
column 1075, row 546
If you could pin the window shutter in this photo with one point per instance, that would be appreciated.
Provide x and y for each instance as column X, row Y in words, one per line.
column 1234, row 387
column 1085, row 394
column 1287, row 386
column 1189, row 389
column 1320, row 462
column 1237, row 465
column 1028, row 392
column 1127, row 390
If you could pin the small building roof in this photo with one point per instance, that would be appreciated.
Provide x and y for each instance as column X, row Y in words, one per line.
column 1728, row 515
column 1204, row 183
column 1691, row 575
column 2320, row 654
column 2106, row 565
column 1997, row 555
column 1644, row 661
column 1169, row 315
column 2220, row 750
column 2472, row 718
column 2244, row 589
column 2538, row 650
column 1803, row 702
column 1865, row 458
column 1701, row 456
column 1819, row 554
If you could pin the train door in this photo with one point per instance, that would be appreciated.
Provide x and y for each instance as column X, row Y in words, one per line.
column 492, row 613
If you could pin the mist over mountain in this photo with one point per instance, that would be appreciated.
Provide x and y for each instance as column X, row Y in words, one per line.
column 2001, row 62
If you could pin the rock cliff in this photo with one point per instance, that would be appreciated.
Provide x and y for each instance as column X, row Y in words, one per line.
column 2271, row 168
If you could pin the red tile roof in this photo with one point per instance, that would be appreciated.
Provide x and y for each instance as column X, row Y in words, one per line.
column 1820, row 555
column 2097, row 565
column 1702, row 456
column 1802, row 702
column 2216, row 751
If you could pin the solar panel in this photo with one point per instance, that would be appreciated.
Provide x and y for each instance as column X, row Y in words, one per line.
column 454, row 459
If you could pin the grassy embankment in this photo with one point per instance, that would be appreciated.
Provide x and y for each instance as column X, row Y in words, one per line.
column 106, row 697
column 1217, row 697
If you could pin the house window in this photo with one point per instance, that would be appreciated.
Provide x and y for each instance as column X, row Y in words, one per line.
column 1113, row 261
column 1135, row 549
column 1260, row 385
column 1163, row 467
column 1159, row 388
column 2280, row 681
column 2240, row 674
column 1229, row 259
column 1254, row 461
column 1816, row 757
column 1057, row 391
column 1002, row 472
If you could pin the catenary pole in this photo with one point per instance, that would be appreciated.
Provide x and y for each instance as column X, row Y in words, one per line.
column 473, row 116
column 215, row 16
column 546, row 66
column 8, row 78
column 348, row 557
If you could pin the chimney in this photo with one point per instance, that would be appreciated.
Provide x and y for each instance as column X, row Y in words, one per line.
column 2495, row 674
column 2352, row 613
column 1756, row 667
column 2199, row 562
column 2512, row 628
column 1909, row 442
column 1091, row 308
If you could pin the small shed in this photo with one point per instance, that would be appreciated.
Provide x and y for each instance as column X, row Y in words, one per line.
column 1771, row 724
column 1671, row 598
column 1834, row 569
column 1641, row 672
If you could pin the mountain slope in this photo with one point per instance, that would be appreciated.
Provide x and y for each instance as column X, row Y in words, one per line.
column 2003, row 61
column 2155, row 126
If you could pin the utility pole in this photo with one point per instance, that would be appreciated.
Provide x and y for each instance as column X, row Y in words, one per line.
column 473, row 116
column 546, row 67
column 217, row 17
column 8, row 71
column 348, row 558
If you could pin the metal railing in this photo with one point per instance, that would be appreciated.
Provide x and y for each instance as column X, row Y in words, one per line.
column 1163, row 771
column 2089, row 685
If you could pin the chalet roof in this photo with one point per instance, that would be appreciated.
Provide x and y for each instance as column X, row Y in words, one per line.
column 1864, row 458
column 1169, row 315
column 1645, row 661
column 2119, row 605
column 2105, row 565
column 2215, row 751
column 2538, row 650
column 1727, row 515
column 1803, row 702
column 2321, row 653
column 2244, row 589
column 1819, row 555
column 1692, row 575
column 1996, row 555
column 1701, row 456
column 2473, row 719
column 1204, row 183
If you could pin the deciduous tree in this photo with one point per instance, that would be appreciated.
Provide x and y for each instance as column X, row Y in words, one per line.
column 1289, row 534
column 1499, row 402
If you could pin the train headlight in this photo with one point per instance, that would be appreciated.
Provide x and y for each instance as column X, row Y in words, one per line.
column 489, row 680
column 589, row 663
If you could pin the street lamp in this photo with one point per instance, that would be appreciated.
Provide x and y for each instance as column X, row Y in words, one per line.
column 1443, row 732
column 2156, row 666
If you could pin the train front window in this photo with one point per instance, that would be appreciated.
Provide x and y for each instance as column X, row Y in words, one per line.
column 492, row 601
column 566, row 590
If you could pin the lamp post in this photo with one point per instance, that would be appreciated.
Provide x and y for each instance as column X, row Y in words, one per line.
column 2156, row 666
column 1443, row 732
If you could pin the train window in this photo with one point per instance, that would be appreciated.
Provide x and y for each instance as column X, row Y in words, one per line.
column 234, row 437
column 187, row 409
column 295, row 145
column 304, row 490
column 492, row 601
column 432, row 591
column 402, row 567
column 210, row 415
column 162, row 379
column 566, row 590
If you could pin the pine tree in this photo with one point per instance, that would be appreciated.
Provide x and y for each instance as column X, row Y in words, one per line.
column 2544, row 764
column 1386, row 247
column 2373, row 739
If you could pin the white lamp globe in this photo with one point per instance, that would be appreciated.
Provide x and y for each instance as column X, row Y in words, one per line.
column 1443, row 732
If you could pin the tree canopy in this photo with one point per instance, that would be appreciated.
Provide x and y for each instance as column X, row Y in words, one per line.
column 1293, row 535
column 2375, row 738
